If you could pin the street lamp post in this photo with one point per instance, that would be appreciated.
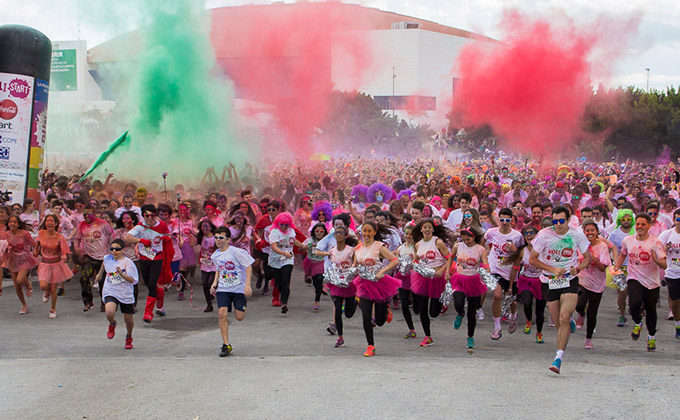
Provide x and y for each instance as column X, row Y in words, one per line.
column 394, row 76
column 647, row 79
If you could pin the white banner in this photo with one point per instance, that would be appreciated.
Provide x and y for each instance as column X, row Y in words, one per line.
column 16, row 100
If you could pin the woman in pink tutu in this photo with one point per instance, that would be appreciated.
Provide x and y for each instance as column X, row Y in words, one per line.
column 19, row 259
column 406, row 250
column 529, row 286
column 313, row 263
column 379, row 290
column 431, row 249
column 467, row 283
column 53, row 251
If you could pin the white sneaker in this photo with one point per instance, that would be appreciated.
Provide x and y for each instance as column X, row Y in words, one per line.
column 480, row 314
column 45, row 298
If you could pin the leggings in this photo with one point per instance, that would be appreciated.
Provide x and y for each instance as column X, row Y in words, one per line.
column 90, row 268
column 282, row 281
column 318, row 286
column 459, row 306
column 350, row 308
column 637, row 295
column 366, row 306
column 592, row 300
column 528, row 300
column 207, row 278
column 187, row 275
column 151, row 270
column 404, row 295
column 435, row 309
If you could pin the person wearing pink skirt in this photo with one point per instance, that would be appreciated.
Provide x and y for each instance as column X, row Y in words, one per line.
column 529, row 286
column 406, row 249
column 379, row 291
column 467, row 283
column 53, row 251
column 19, row 259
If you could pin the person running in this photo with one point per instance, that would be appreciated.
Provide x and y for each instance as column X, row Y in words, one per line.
column 671, row 241
column 19, row 259
column 118, row 274
column 53, row 251
column 432, row 251
column 379, row 291
column 124, row 224
column 231, row 285
column 206, row 240
column 164, row 213
column 555, row 251
column 406, row 249
column 90, row 244
column 646, row 254
column 592, row 280
column 344, row 298
column 503, row 243
column 313, row 264
column 529, row 285
column 187, row 265
column 282, row 239
column 625, row 219
column 467, row 283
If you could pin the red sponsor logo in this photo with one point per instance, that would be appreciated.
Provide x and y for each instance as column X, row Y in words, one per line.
column 229, row 265
column 19, row 88
column 567, row 252
column 345, row 265
column 429, row 255
column 471, row 262
column 370, row 262
column 645, row 256
column 8, row 109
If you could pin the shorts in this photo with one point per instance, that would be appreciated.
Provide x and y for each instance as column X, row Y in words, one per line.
column 125, row 308
column 226, row 299
column 258, row 254
column 505, row 284
column 554, row 294
column 673, row 288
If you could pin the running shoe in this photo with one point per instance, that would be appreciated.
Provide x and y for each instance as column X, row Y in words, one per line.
column 670, row 315
column 589, row 344
column 160, row 311
column 61, row 292
column 677, row 332
column 457, row 322
column 53, row 314
column 226, row 350
column 551, row 323
column 332, row 330
column 579, row 322
column 480, row 314
column 339, row 343
column 389, row 315
column 308, row 280
column 370, row 351
column 651, row 344
column 265, row 290
column 23, row 310
column 180, row 296
column 412, row 334
column 128, row 342
column 29, row 289
column 556, row 365
column 622, row 321
column 276, row 303
column 315, row 308
column 373, row 323
column 258, row 284
column 46, row 296
column 504, row 318
column 512, row 324
column 527, row 328
column 112, row 330
column 471, row 343
column 208, row 308
column 636, row 332
column 284, row 309
column 572, row 325
column 427, row 341
column 497, row 334
column 443, row 310
column 539, row 338
column 396, row 304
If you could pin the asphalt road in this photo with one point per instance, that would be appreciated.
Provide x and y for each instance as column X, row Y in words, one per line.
column 285, row 367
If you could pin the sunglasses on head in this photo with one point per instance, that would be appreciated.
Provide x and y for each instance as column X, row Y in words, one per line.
column 559, row 221
column 113, row 248
column 220, row 237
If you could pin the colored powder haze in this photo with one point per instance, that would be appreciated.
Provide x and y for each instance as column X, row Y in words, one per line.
column 533, row 88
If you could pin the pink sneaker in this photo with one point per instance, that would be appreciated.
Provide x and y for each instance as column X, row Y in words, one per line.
column 427, row 341
column 579, row 322
column 497, row 334
column 589, row 344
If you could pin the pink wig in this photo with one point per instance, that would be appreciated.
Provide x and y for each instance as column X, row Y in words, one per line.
column 283, row 218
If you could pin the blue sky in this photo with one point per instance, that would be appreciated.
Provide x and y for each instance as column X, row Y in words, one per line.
column 656, row 44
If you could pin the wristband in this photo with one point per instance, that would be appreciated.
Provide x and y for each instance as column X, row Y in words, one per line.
column 516, row 267
column 446, row 257
column 486, row 266
column 394, row 259
column 145, row 242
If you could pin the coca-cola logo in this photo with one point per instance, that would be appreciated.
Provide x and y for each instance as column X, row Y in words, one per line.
column 429, row 255
column 19, row 88
column 8, row 109
column 229, row 265
column 567, row 252
column 471, row 262
column 645, row 256
column 370, row 262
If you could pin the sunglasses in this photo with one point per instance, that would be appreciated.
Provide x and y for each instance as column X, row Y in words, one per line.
column 652, row 213
column 467, row 216
column 113, row 249
column 530, row 233
column 677, row 219
column 220, row 237
column 575, row 197
column 271, row 210
column 150, row 215
column 505, row 220
column 305, row 201
column 628, row 219
column 559, row 221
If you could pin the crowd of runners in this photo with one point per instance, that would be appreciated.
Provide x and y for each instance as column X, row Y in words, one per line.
column 421, row 236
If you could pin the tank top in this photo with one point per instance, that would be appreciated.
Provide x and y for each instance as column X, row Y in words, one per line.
column 468, row 259
column 429, row 254
column 369, row 256
column 529, row 270
column 342, row 260
column 405, row 249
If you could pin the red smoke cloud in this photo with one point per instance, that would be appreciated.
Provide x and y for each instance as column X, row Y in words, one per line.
column 534, row 86
column 282, row 57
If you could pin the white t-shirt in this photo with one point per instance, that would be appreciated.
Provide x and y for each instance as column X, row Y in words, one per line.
column 498, row 243
column 231, row 269
column 285, row 242
column 671, row 237
column 142, row 231
column 559, row 251
column 114, row 284
column 454, row 220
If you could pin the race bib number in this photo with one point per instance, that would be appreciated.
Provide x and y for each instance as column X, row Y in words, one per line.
column 147, row 252
column 115, row 278
column 558, row 282
column 228, row 279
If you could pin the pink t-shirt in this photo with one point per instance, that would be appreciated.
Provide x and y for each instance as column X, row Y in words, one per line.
column 342, row 259
column 498, row 256
column 591, row 278
column 641, row 266
column 429, row 254
column 94, row 238
column 468, row 259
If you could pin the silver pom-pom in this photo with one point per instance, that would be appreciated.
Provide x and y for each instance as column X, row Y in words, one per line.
column 447, row 295
column 620, row 281
column 367, row 273
column 333, row 276
column 505, row 305
column 489, row 279
column 423, row 270
column 405, row 264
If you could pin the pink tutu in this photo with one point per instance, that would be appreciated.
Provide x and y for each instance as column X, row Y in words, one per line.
column 405, row 279
column 531, row 284
column 425, row 286
column 54, row 272
column 381, row 291
column 311, row 267
column 343, row 292
column 472, row 286
column 17, row 262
